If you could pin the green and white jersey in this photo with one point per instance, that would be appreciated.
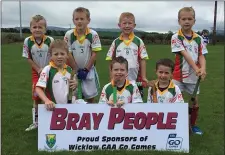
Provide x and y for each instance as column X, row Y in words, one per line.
column 81, row 48
column 133, row 50
column 195, row 47
column 38, row 53
column 55, row 83
column 129, row 94
column 170, row 95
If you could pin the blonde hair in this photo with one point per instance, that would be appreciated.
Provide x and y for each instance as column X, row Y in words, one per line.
column 186, row 9
column 37, row 18
column 128, row 15
column 82, row 9
column 59, row 44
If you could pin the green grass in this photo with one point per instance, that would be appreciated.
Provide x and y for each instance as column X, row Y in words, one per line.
column 17, row 103
column 3, row 34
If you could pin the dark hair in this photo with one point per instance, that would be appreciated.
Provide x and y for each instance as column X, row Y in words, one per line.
column 120, row 60
column 205, row 31
column 165, row 62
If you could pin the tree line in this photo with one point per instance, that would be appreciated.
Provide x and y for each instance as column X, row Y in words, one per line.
column 108, row 37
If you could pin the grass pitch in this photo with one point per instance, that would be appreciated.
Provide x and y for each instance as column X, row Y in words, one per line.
column 17, row 103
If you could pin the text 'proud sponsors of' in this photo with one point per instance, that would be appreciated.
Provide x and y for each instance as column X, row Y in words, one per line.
column 112, row 146
column 135, row 126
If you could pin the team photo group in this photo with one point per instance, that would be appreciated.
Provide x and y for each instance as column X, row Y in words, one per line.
column 65, row 70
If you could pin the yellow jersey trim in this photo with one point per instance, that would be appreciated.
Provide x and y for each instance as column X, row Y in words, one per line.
column 195, row 35
column 171, row 85
column 126, row 84
column 146, row 58
column 97, row 49
column 82, row 38
column 44, row 37
column 108, row 58
column 63, row 72
column 130, row 38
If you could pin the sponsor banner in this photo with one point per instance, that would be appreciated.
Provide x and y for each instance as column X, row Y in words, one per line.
column 88, row 127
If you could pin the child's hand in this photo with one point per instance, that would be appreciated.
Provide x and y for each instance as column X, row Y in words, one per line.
column 120, row 104
column 145, row 80
column 197, row 72
column 72, row 84
column 82, row 73
column 110, row 103
column 202, row 73
column 50, row 106
column 152, row 83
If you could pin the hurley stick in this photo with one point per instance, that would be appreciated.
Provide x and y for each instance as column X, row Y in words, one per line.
column 154, row 94
column 114, row 92
column 195, row 90
column 70, row 95
column 79, row 89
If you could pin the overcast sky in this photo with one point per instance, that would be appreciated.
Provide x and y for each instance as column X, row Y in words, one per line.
column 150, row 15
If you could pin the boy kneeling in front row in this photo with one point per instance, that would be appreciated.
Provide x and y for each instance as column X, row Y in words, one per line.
column 163, row 90
column 54, row 82
column 120, row 90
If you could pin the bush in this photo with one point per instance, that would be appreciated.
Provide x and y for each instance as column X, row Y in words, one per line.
column 11, row 38
column 106, row 41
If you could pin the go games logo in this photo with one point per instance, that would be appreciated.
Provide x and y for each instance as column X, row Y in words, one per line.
column 174, row 142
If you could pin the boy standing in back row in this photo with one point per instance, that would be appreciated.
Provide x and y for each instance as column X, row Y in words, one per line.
column 84, row 44
column 189, row 62
column 35, row 49
column 130, row 47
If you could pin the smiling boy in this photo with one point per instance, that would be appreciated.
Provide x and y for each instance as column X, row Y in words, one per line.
column 131, row 47
column 35, row 50
column 166, row 90
column 126, row 90
column 190, row 63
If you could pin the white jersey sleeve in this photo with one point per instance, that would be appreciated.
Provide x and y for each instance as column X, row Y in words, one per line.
column 178, row 97
column 51, row 38
column 142, row 50
column 96, row 43
column 43, row 79
column 67, row 39
column 111, row 51
column 176, row 44
column 136, row 97
column 203, row 47
column 103, row 98
column 26, row 50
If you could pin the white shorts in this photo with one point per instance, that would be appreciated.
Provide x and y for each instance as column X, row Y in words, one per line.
column 186, row 87
column 91, row 86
